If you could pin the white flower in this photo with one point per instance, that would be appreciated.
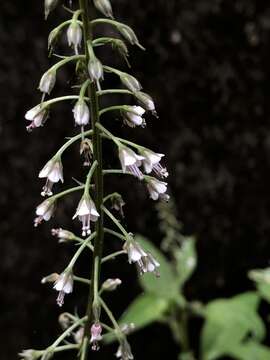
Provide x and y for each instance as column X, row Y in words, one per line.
column 157, row 189
column 148, row 264
column 78, row 335
column 96, row 330
column 86, row 212
column 74, row 35
column 130, row 161
column 134, row 251
column 81, row 113
column 37, row 116
column 105, row 7
column 133, row 116
column 44, row 211
column 130, row 82
column 64, row 285
column 151, row 163
column 28, row 354
column 144, row 260
column 47, row 81
column 95, row 69
column 146, row 101
column 53, row 171
column 124, row 351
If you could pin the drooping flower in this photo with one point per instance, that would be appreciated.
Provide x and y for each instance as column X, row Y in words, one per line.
column 74, row 36
column 86, row 212
column 53, row 171
column 144, row 260
column 151, row 163
column 130, row 82
column 37, row 115
column 133, row 116
column 95, row 69
column 86, row 149
column 124, row 351
column 129, row 35
column 81, row 113
column 64, row 285
column 96, row 337
column 47, row 81
column 105, row 7
column 157, row 189
column 130, row 161
column 44, row 211
column 134, row 250
column 118, row 204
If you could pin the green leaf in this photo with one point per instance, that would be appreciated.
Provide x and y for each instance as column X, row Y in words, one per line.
column 186, row 260
column 262, row 279
column 144, row 310
column 228, row 322
column 250, row 350
column 166, row 286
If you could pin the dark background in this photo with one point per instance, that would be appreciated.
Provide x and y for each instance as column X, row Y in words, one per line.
column 207, row 67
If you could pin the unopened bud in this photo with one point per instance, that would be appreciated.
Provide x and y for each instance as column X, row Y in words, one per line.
column 130, row 82
column 129, row 35
column 127, row 328
column 118, row 204
column 63, row 235
column 111, row 284
column 47, row 81
column 49, row 6
column 105, row 7
column 64, row 320
column 52, row 38
column 146, row 101
column 50, row 278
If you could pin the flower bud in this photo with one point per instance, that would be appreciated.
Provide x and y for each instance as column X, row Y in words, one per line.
column 63, row 235
column 50, row 278
column 52, row 38
column 44, row 211
column 129, row 35
column 95, row 69
column 49, row 6
column 105, row 7
column 111, row 284
column 130, row 82
column 74, row 35
column 47, row 82
column 118, row 204
column 146, row 101
column 64, row 320
column 81, row 113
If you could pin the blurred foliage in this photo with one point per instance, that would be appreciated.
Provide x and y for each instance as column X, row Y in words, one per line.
column 231, row 327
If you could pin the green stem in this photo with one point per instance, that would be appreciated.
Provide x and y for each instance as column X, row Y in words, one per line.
column 82, row 280
column 68, row 332
column 114, row 91
column 80, row 250
column 114, row 233
column 89, row 177
column 112, row 108
column 71, row 141
column 113, row 256
column 111, row 317
column 108, row 133
column 98, row 179
column 66, row 347
column 116, row 222
column 66, row 192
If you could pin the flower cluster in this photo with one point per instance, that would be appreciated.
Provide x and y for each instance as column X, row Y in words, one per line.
column 136, row 160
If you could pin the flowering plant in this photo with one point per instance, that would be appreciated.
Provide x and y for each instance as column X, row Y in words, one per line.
column 87, row 331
